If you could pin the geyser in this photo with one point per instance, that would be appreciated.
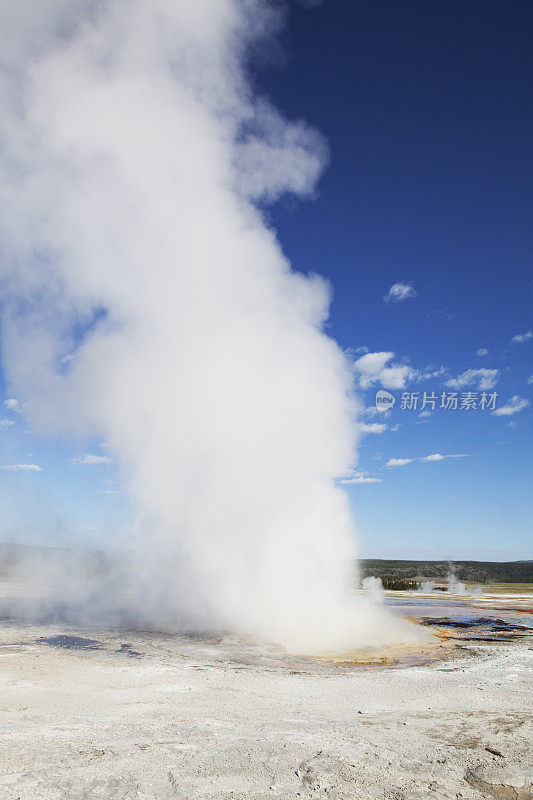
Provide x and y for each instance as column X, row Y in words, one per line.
column 147, row 300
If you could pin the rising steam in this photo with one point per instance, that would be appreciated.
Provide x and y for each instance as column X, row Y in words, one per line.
column 146, row 300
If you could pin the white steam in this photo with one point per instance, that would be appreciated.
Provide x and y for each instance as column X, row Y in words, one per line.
column 146, row 300
column 374, row 587
column 456, row 586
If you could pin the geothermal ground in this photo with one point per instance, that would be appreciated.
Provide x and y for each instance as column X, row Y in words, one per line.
column 93, row 714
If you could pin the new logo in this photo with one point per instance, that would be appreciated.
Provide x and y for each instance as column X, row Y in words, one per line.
column 384, row 400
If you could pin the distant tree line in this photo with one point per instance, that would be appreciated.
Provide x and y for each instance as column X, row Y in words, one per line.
column 477, row 571
column 398, row 585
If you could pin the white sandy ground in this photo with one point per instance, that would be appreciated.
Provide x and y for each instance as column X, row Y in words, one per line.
column 220, row 719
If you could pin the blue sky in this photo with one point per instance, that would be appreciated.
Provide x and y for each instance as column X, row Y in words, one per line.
column 427, row 111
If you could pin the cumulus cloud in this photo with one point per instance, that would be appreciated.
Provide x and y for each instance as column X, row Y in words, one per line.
column 482, row 352
column 522, row 337
column 484, row 379
column 430, row 372
column 372, row 411
column 439, row 457
column 352, row 352
column 372, row 427
column 364, row 479
column 530, row 379
column 376, row 368
column 12, row 404
column 398, row 462
column 360, row 477
column 21, row 467
column 514, row 405
column 6, row 423
column 373, row 368
column 90, row 459
column 399, row 292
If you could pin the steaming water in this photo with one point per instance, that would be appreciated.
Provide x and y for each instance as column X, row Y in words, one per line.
column 147, row 301
column 461, row 610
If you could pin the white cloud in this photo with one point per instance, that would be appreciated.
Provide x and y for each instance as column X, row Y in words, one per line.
column 364, row 479
column 523, row 337
column 530, row 379
column 12, row 404
column 399, row 292
column 398, row 462
column 90, row 459
column 439, row 457
column 372, row 427
column 431, row 372
column 372, row 368
column 425, row 413
column 22, row 467
column 360, row 477
column 482, row 352
column 351, row 352
column 372, row 411
column 484, row 379
column 372, row 363
column 514, row 405
column 396, row 377
column 5, row 423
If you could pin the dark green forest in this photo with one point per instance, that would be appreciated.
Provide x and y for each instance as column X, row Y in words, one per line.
column 478, row 571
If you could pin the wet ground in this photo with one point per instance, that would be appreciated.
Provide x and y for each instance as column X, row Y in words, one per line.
column 452, row 621
column 138, row 715
column 480, row 629
column 463, row 620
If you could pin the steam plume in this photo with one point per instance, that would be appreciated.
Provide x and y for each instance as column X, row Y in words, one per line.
column 146, row 300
